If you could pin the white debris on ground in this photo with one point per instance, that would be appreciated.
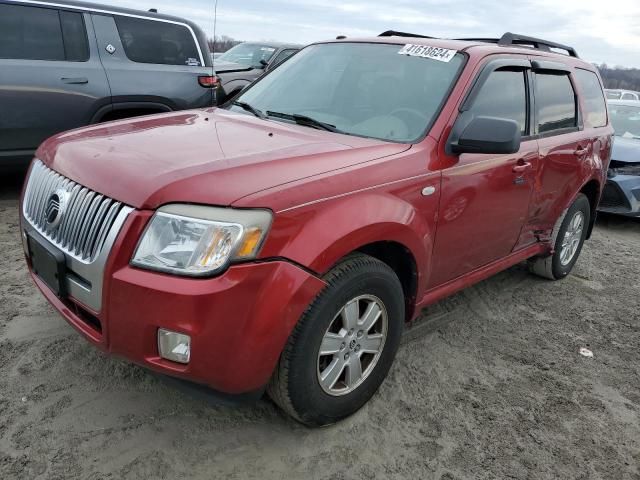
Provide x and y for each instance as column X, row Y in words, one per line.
column 585, row 352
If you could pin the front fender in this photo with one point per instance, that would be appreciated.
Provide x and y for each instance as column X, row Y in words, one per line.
column 318, row 236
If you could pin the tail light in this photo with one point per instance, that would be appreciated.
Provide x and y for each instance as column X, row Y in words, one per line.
column 208, row 81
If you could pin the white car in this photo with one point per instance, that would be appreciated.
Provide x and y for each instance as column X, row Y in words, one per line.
column 619, row 94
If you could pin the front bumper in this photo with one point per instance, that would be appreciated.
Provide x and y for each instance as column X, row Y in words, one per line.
column 239, row 322
column 621, row 196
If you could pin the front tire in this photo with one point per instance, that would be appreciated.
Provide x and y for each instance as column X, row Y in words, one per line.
column 568, row 238
column 343, row 346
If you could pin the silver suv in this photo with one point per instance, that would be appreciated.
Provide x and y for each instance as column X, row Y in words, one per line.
column 68, row 64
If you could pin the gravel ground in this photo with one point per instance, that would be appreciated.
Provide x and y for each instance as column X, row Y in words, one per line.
column 488, row 385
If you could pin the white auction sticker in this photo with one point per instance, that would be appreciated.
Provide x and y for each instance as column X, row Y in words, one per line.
column 425, row 51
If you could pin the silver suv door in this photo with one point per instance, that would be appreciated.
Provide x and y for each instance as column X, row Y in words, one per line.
column 152, row 60
column 51, row 78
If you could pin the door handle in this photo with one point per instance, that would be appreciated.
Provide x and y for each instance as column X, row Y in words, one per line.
column 75, row 81
column 521, row 167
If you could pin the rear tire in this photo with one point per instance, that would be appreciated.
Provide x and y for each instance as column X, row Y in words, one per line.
column 568, row 238
column 341, row 350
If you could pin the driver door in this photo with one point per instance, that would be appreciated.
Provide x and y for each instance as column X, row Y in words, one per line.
column 485, row 198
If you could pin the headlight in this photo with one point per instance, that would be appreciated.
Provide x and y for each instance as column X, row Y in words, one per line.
column 199, row 241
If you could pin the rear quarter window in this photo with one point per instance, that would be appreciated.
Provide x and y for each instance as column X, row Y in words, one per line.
column 592, row 97
column 556, row 107
column 152, row 41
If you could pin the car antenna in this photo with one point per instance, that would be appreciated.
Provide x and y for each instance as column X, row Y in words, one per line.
column 213, row 46
column 153, row 10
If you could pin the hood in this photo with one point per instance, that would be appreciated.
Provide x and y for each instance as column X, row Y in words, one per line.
column 225, row 67
column 626, row 150
column 207, row 156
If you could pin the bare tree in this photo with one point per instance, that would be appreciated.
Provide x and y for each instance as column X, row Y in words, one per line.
column 222, row 43
column 624, row 78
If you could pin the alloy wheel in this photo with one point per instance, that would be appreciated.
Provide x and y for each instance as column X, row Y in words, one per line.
column 572, row 238
column 352, row 345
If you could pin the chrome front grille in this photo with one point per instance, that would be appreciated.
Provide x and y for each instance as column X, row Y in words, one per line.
column 81, row 223
column 86, row 221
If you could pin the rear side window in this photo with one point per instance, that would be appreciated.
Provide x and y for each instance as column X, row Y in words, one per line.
column 30, row 33
column 629, row 96
column 150, row 41
column 595, row 107
column 503, row 95
column 555, row 103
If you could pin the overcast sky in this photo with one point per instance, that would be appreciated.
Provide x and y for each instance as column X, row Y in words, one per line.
column 602, row 32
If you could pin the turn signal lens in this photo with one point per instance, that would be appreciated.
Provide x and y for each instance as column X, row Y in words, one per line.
column 250, row 243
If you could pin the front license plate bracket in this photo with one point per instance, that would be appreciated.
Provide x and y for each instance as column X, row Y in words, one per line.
column 48, row 263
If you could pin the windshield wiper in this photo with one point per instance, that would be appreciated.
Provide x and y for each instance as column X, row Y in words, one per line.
column 306, row 121
column 250, row 109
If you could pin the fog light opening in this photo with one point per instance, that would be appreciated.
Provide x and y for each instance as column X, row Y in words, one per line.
column 174, row 346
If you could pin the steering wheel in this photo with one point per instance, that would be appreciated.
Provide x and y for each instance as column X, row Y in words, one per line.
column 410, row 115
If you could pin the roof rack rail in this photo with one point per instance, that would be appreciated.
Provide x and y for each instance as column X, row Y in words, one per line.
column 510, row 39
column 393, row 33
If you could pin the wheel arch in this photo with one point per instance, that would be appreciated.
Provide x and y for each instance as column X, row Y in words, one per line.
column 120, row 110
column 381, row 225
column 402, row 261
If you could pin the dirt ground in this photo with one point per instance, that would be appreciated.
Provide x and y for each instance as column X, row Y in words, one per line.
column 489, row 385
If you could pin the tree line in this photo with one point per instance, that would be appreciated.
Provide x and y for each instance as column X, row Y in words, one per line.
column 222, row 43
column 624, row 78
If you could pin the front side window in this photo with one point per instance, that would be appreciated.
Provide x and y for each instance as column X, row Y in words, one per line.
column 611, row 95
column 30, row 33
column 361, row 89
column 152, row 41
column 555, row 102
column 248, row 54
column 503, row 95
column 625, row 120
column 595, row 107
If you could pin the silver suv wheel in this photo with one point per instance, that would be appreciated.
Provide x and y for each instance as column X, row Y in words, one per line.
column 572, row 238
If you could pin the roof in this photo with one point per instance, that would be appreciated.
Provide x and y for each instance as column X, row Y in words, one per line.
column 101, row 8
column 478, row 46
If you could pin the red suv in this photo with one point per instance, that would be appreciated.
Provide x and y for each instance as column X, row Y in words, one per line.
column 283, row 241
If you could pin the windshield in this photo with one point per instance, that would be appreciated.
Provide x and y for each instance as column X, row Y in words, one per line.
column 360, row 89
column 625, row 120
column 249, row 54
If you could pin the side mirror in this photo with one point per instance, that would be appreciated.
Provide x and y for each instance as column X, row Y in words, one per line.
column 488, row 135
column 263, row 63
